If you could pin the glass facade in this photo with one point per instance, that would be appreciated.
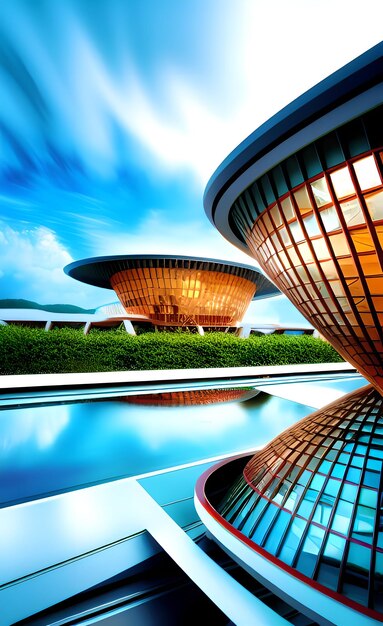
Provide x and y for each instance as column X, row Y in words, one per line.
column 313, row 498
column 311, row 501
column 184, row 296
column 314, row 223
column 177, row 291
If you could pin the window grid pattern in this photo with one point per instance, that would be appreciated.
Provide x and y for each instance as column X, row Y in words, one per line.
column 191, row 398
column 313, row 498
column 182, row 296
column 321, row 244
column 346, row 143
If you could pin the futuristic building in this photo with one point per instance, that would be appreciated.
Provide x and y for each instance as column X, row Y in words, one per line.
column 177, row 291
column 304, row 196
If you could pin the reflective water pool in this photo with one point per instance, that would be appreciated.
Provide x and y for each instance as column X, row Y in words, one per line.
column 46, row 449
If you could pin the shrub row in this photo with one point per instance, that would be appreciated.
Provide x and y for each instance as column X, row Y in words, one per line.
column 33, row 351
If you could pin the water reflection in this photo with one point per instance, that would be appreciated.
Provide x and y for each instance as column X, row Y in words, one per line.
column 48, row 449
column 197, row 396
column 40, row 427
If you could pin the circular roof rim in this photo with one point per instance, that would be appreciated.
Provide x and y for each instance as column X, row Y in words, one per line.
column 121, row 257
column 71, row 268
column 315, row 102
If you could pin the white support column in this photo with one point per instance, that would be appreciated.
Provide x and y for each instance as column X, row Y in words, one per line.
column 129, row 327
column 87, row 327
column 48, row 325
column 200, row 330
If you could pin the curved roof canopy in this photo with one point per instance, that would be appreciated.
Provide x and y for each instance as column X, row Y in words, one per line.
column 98, row 271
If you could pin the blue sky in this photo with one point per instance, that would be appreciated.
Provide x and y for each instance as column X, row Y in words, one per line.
column 115, row 113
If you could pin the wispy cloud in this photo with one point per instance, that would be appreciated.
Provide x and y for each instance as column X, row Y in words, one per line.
column 31, row 267
column 161, row 234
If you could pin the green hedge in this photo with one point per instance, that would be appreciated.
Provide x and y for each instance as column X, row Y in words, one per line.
column 33, row 351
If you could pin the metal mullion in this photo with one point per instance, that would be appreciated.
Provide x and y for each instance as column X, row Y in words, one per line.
column 252, row 196
column 268, row 236
column 273, row 476
column 239, row 490
column 341, row 277
column 286, row 224
column 355, row 259
column 276, row 231
column 332, row 514
column 251, row 204
column 379, row 162
column 371, row 575
column 319, row 266
column 310, row 518
column 240, row 222
column 342, row 564
column 300, row 500
column 374, row 545
column 258, row 497
column 367, row 216
column 281, row 506
column 245, row 212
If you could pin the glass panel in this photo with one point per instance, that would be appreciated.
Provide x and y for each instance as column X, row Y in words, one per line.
column 328, row 572
column 349, row 493
column 308, row 556
column 363, row 526
column 378, row 600
column 302, row 199
column 321, row 192
column 291, row 541
column 342, row 517
column 252, row 519
column 339, row 245
column 276, row 217
column 307, row 503
column 265, row 523
column 311, row 226
column 352, row 212
column 367, row 173
column 323, row 510
column 375, row 205
column 277, row 531
column 288, row 209
column 356, row 573
column 342, row 182
column 296, row 232
column 330, row 219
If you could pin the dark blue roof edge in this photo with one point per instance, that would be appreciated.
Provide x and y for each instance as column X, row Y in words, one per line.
column 265, row 287
column 120, row 257
column 350, row 80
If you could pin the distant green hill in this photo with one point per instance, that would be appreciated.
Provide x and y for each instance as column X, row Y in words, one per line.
column 11, row 303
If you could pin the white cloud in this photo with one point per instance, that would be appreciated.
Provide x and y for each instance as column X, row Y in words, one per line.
column 31, row 267
column 160, row 235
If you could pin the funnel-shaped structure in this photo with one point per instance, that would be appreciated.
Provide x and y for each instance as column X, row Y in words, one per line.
column 177, row 291
column 304, row 196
